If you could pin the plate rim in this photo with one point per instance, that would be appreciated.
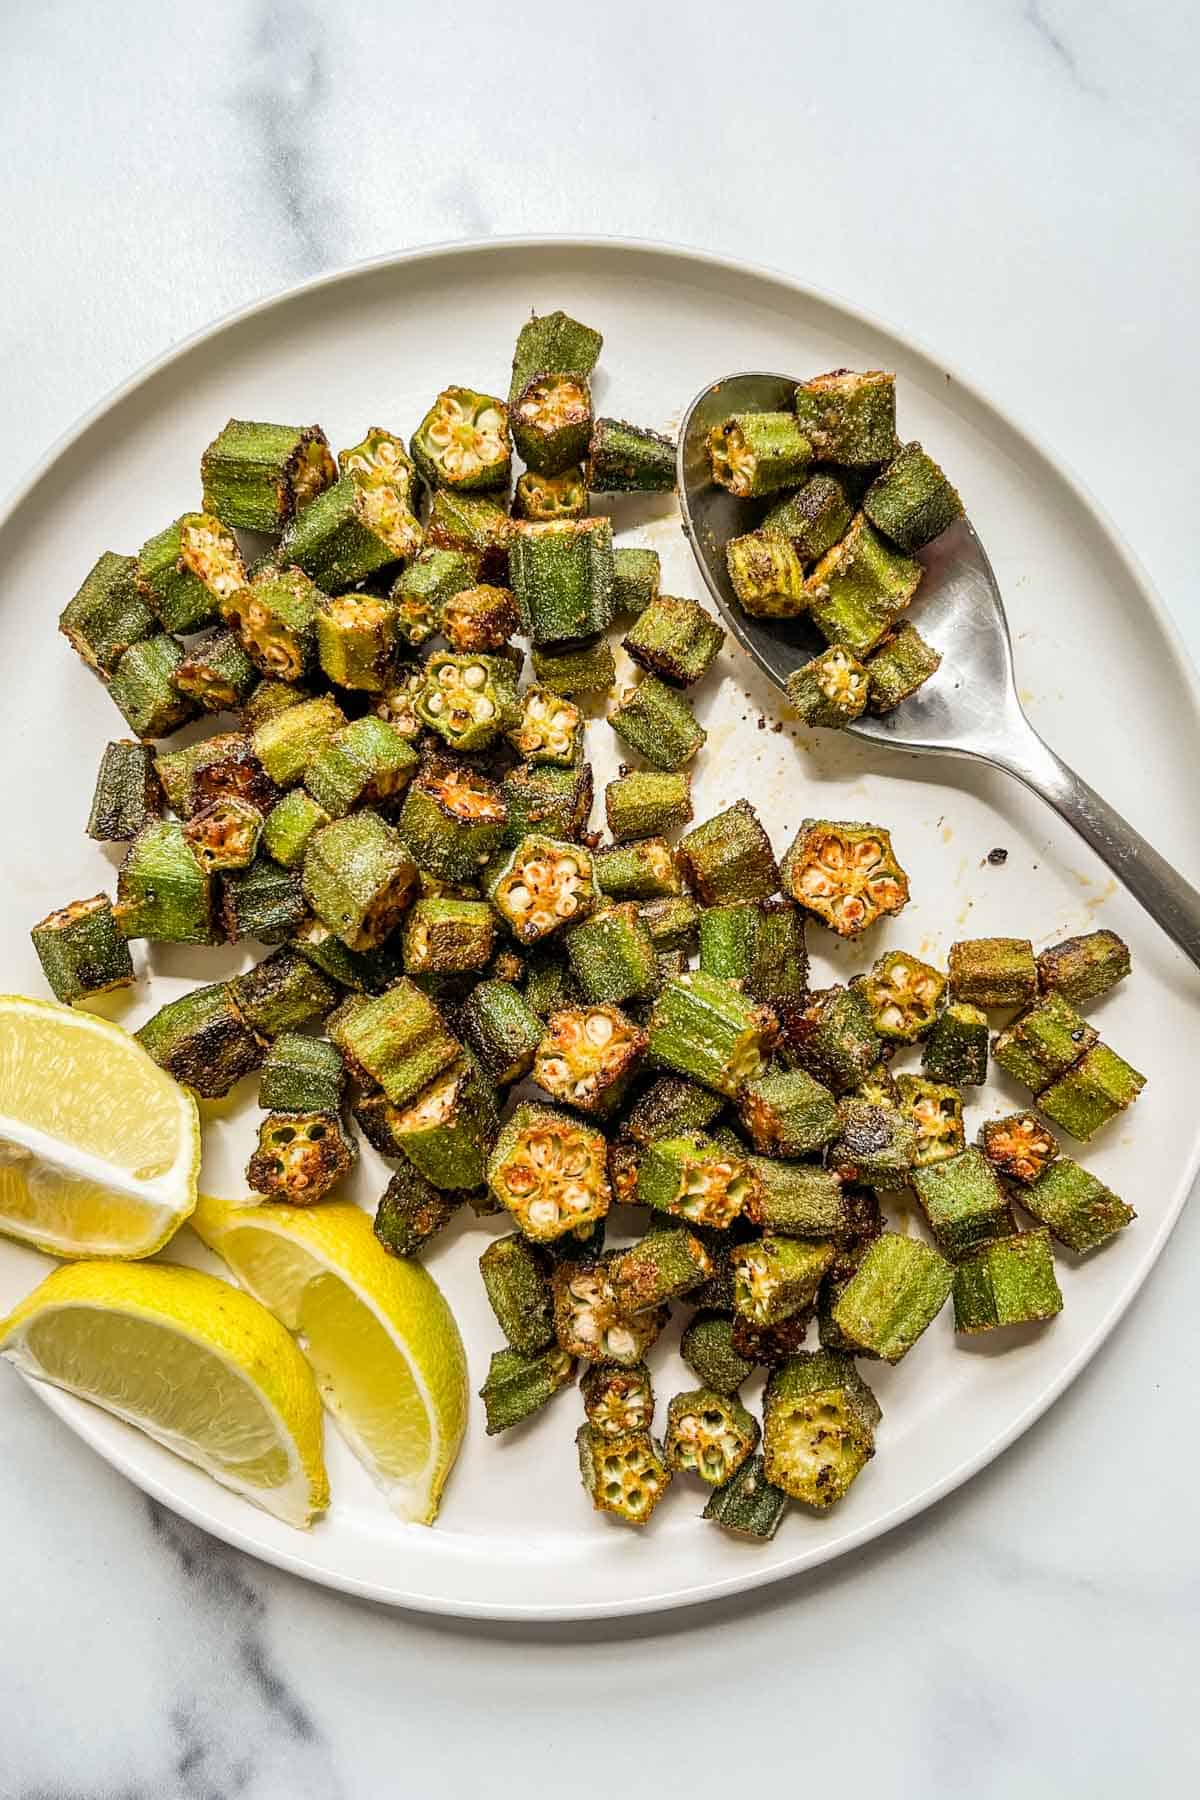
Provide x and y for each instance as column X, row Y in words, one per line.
column 92, row 1431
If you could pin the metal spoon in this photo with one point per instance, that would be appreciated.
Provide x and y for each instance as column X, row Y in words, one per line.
column 970, row 707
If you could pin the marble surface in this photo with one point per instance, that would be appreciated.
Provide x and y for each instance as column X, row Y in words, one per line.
column 1013, row 182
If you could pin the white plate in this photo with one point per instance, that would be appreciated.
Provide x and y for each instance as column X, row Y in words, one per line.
column 1099, row 668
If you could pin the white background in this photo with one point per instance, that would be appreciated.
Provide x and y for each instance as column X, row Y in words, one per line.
column 1013, row 183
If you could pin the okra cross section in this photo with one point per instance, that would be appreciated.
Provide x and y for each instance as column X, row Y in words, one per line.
column 706, row 1028
column 1019, row 1147
column 551, row 421
column 356, row 640
column 463, row 441
column 300, row 1157
column 216, row 673
column 831, row 689
column 819, row 1419
column 585, row 1054
column 964, row 1202
column 625, row 1476
column 590, row 1322
column 380, row 460
column 935, row 1111
column 549, row 730
column 224, row 834
column 479, row 618
column 82, row 950
column 518, row 1385
column 275, row 617
column 549, row 1171
column 694, row 1178
column 1010, row 1281
column 398, row 1039
column 709, row 1435
column 422, row 590
column 897, row 1291
column 469, row 700
column 904, row 994
column 540, row 885
column 846, row 874
column 452, row 819
column 618, row 1402
column 545, row 499
column 447, row 936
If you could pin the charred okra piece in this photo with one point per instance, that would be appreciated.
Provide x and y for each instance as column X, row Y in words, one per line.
column 812, row 519
column 668, row 1107
column 1019, row 1147
column 858, row 590
column 637, row 577
column 475, row 525
column 128, row 794
column 551, row 421
column 898, row 1289
column 514, row 1279
column 903, row 994
column 224, row 834
column 280, row 994
column 448, row 1129
column 624, row 1476
column 217, row 768
column 549, row 982
column 850, row 418
column 502, row 1029
column 480, row 618
column 275, row 617
column 539, row 885
column 673, row 924
column 748, row 1504
column 268, row 698
column 1043, row 1043
column 663, row 1265
column 618, row 1402
column 468, row 700
column 658, row 723
column 547, row 499
column 202, row 1040
column 367, row 762
column 819, row 1419
column 362, row 971
column 356, row 640
column 398, row 1039
column 586, row 1054
column 644, row 803
column 423, row 590
column 286, row 743
column 707, row 1349
column 1082, row 968
column 709, row 1434
column 452, row 820
column 903, row 663
column 629, row 459
column 262, row 901
column 936, row 1114
column 956, row 1049
column 82, row 951
column 411, row 1213
column 766, row 575
column 993, row 971
column 694, row 1178
column 289, row 825
column 546, row 801
column 554, row 342
column 216, row 673
column 644, row 870
column 589, row 1322
column 444, row 936
column 302, row 1075
column 518, row 1385
column 777, row 1277
column 256, row 476
column 549, row 729
column 788, row 1113
column 1075, row 1207
column 348, row 532
column 729, row 857
column 1010, row 1281
column 758, row 453
column 143, row 687
column 911, row 502
column 875, row 1145
column 862, row 1223
column 463, row 442
column 549, row 1172
column 612, row 956
column 831, row 690
column 162, row 892
column 705, row 1028
column 795, row 1199
column 846, row 874
column 964, row 1203
column 187, row 571
column 358, row 878
column 1098, row 1087
column 575, row 668
column 833, row 1036
column 108, row 614
column 778, row 972
column 562, row 577
column 300, row 1157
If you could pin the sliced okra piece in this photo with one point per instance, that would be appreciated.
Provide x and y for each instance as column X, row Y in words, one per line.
column 903, row 994
column 618, row 1402
column 669, row 1106
column 833, row 1036
column 551, row 421
column 263, row 901
column 128, row 794
column 562, row 577
column 588, row 1319
column 757, row 453
column 445, row 936
column 398, row 1038
column 539, row 885
column 859, row 589
column 237, row 773
column 224, row 834
column 479, row 618
column 302, row 1075
column 549, row 729
column 367, row 762
column 629, row 459
column 637, row 577
column 281, row 993
column 748, row 1504
column 794, row 1199
column 398, row 701
column 897, row 1291
column 993, row 971
column 518, row 1385
column 1098, row 1087
column 643, row 870
column 356, row 640
column 911, row 500
column 108, row 615
column 268, row 697
column 766, row 575
column 545, row 499
column 275, row 617
column 202, row 1040
column 878, row 1086
column 287, row 743
column 850, row 418
column 362, row 971
column 518, row 1291
column 380, row 460
column 819, row 1419
column 862, row 1224
column 452, row 819
column 1043, row 1043
column 673, row 925
column 553, row 341
column 847, row 874
column 474, row 524
column 376, row 1118
column 575, row 668
column 448, row 1129
column 349, row 532
column 463, row 442
column 661, row 1266
column 658, row 723
column 411, row 1213
column 256, row 476
column 423, row 589
column 788, row 1113
column 729, row 857
column 188, row 570
column 1010, row 1281
column 143, row 689
column 956, row 1049
column 548, row 1170
column 644, row 803
column 709, row 1434
column 289, row 825
column 612, row 955
column 586, row 1055
column 549, row 982
column 778, row 972
column 549, row 801
column 831, row 690
column 358, row 878
column 727, row 935
column 694, row 1178
column 625, row 1476
column 902, row 663
column 1075, row 1207
column 216, row 673
column 777, row 1277
column 706, row 1028
column 812, row 519
column 300, row 1157
column 1019, row 1147
column 935, row 1110
column 82, row 950
column 502, row 1029
column 964, row 1203
column 469, row 701
column 162, row 892
column 707, row 1349
column 1082, row 968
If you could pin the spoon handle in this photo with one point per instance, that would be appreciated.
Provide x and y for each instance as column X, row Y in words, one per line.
column 1170, row 900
